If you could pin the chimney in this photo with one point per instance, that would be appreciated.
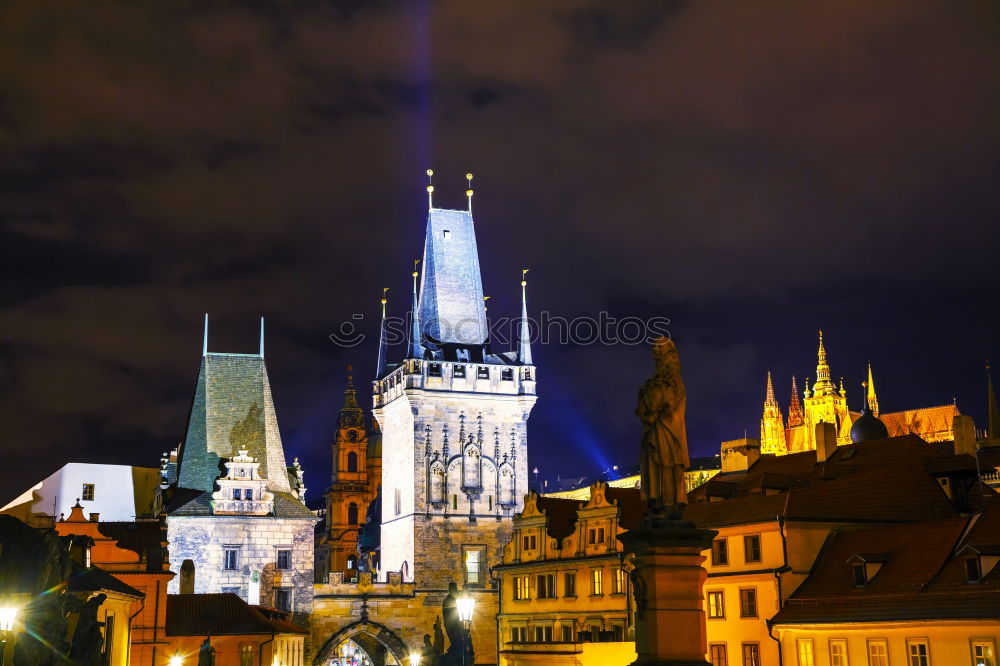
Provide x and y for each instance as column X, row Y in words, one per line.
column 965, row 434
column 95, row 517
column 739, row 455
column 826, row 441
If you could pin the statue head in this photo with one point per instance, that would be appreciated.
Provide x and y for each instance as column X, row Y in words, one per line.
column 664, row 349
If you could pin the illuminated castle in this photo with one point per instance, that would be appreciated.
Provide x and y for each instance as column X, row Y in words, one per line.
column 826, row 402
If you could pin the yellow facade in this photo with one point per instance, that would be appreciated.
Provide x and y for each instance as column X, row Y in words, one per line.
column 946, row 643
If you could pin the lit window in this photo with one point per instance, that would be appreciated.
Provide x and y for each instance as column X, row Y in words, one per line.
column 231, row 559
column 569, row 584
column 720, row 553
column 88, row 492
column 351, row 562
column 716, row 604
column 247, row 654
column 473, row 566
column 619, row 581
column 983, row 653
column 751, row 654
column 751, row 548
column 805, row 652
column 748, row 602
column 596, row 581
column 838, row 652
column 520, row 587
column 918, row 653
column 284, row 559
column 878, row 653
column 717, row 654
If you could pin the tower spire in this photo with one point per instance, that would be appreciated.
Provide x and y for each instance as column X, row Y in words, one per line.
column 468, row 192
column 823, row 385
column 262, row 337
column 870, row 392
column 382, row 346
column 993, row 414
column 769, row 400
column 430, row 189
column 524, row 341
column 416, row 349
column 795, row 417
column 204, row 341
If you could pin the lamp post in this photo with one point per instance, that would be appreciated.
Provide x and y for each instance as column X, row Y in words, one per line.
column 177, row 660
column 466, row 603
column 8, row 614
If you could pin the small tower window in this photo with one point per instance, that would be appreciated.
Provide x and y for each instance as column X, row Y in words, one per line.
column 434, row 370
column 507, row 375
column 459, row 371
column 447, row 234
column 483, row 372
column 352, row 514
column 352, row 462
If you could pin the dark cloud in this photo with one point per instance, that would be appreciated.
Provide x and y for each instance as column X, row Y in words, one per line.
column 752, row 171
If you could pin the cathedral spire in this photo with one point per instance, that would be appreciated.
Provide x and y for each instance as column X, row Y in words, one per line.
column 870, row 392
column 416, row 349
column 795, row 417
column 262, row 337
column 993, row 414
column 524, row 342
column 823, row 385
column 350, row 412
column 769, row 400
column 204, row 340
column 382, row 345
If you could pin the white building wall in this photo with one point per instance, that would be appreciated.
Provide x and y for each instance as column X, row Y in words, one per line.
column 114, row 491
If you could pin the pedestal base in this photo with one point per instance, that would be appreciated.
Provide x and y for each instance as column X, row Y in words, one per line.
column 668, row 582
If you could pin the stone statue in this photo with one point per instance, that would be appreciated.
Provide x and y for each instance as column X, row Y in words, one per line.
column 88, row 642
column 664, row 457
column 460, row 648
column 438, row 637
column 206, row 654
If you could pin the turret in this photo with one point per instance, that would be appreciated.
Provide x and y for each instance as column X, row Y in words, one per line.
column 524, row 337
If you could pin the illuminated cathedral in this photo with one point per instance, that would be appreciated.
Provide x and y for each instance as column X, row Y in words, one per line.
column 826, row 402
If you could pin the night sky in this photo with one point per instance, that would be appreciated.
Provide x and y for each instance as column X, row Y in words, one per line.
column 753, row 171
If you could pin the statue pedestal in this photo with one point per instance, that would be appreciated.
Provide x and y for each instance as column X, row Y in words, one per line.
column 668, row 582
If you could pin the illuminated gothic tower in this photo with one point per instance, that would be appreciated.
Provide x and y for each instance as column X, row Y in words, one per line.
column 454, row 417
column 772, row 425
column 795, row 417
column 357, row 468
column 825, row 404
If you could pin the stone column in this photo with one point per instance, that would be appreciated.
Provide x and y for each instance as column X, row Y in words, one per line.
column 668, row 583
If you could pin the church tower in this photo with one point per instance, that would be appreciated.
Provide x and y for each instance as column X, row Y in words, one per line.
column 772, row 424
column 453, row 415
column 825, row 404
column 354, row 482
column 870, row 397
column 795, row 418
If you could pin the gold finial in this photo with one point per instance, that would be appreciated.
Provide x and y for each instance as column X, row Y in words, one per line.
column 415, row 262
column 524, row 271
column 430, row 188
column 385, row 290
column 485, row 298
column 430, row 172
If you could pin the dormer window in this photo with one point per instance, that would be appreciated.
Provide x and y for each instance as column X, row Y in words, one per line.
column 236, row 493
column 865, row 566
column 973, row 572
column 434, row 370
column 248, row 494
column 459, row 371
column 483, row 372
column 507, row 375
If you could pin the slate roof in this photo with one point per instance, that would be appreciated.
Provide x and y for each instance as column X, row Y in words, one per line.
column 223, row 615
column 923, row 577
column 232, row 409
column 95, row 579
column 187, row 502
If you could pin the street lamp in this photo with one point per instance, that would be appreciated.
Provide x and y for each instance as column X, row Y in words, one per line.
column 414, row 659
column 466, row 603
column 7, row 616
column 177, row 660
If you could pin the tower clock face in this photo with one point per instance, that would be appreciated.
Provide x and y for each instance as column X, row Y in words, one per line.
column 352, row 435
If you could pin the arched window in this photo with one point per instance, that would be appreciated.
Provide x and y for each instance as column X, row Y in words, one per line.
column 352, row 462
column 352, row 514
column 187, row 577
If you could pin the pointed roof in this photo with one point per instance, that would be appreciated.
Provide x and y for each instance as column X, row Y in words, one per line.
column 232, row 409
column 769, row 399
column 416, row 349
column 795, row 417
column 382, row 345
column 451, row 305
column 870, row 397
column 351, row 414
column 823, row 385
column 524, row 338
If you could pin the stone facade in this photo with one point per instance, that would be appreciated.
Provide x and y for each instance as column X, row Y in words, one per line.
column 258, row 540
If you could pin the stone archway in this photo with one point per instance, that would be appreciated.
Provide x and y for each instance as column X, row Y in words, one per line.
column 363, row 632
